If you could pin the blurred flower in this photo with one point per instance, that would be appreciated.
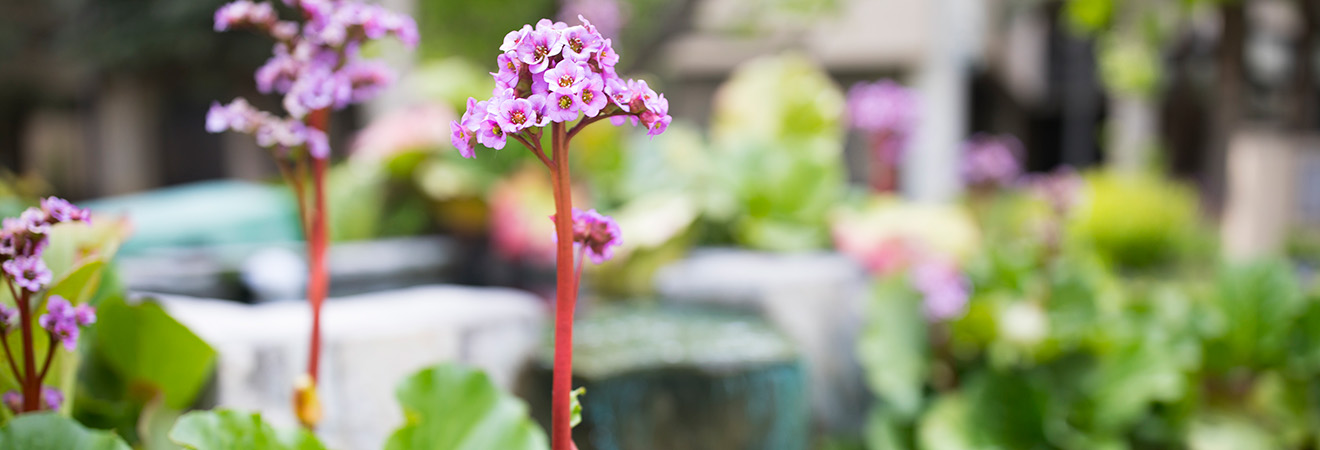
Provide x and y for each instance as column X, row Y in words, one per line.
column 13, row 400
column 60, row 210
column 597, row 233
column 887, row 111
column 316, row 66
column 413, row 128
column 7, row 315
column 607, row 15
column 517, row 207
column 28, row 272
column 991, row 161
column 64, row 321
column 1062, row 189
column 887, row 234
column 944, row 289
column 1024, row 323
column 52, row 398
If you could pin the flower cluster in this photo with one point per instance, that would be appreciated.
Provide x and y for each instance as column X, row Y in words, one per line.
column 23, row 239
column 315, row 65
column 944, row 289
column 555, row 73
column 597, row 233
column 63, row 320
column 51, row 399
column 991, row 161
column 886, row 110
column 1062, row 189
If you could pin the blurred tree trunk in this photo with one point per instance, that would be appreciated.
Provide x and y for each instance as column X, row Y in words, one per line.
column 1228, row 98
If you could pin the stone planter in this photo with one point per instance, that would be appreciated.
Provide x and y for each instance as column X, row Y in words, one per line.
column 661, row 378
column 816, row 299
column 371, row 342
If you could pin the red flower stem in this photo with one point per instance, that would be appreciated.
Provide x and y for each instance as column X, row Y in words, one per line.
column 565, row 295
column 318, row 279
column 31, row 390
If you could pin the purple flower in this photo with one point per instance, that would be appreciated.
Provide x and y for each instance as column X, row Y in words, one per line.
column 656, row 115
column 13, row 400
column 512, row 39
column 491, row 134
column 567, row 77
column 36, row 221
column 597, row 233
column 60, row 210
column 607, row 58
column 592, row 97
column 562, row 107
column 1061, row 188
column 508, row 75
column 516, row 114
column 64, row 321
column 278, row 73
column 244, row 13
column 28, row 272
column 538, row 47
column 366, row 79
column 990, row 161
column 580, row 43
column 52, row 398
column 461, row 137
column 882, row 106
column 944, row 288
column 7, row 315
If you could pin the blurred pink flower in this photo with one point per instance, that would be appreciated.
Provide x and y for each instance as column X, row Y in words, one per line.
column 416, row 127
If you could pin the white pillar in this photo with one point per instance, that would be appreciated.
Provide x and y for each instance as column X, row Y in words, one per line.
column 930, row 171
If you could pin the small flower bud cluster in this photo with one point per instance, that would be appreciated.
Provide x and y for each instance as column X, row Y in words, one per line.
column 64, row 321
column 597, row 233
column 991, row 161
column 555, row 73
column 23, row 239
column 52, row 399
column 316, row 65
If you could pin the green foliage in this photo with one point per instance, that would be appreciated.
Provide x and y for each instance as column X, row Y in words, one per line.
column 1076, row 350
column 50, row 431
column 577, row 406
column 142, row 370
column 783, row 151
column 1138, row 221
column 473, row 30
column 228, row 429
column 451, row 407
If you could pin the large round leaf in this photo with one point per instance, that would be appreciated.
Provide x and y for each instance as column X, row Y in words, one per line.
column 451, row 407
column 49, row 431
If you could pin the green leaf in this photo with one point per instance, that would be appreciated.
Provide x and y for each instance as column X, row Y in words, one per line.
column 49, row 431
column 78, row 286
column 147, row 347
column 577, row 406
column 452, row 407
column 892, row 348
column 229, row 429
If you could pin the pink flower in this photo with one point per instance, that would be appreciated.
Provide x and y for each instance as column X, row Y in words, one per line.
column 509, row 72
column 562, row 107
column 567, row 77
column 580, row 43
column 64, row 321
column 538, row 47
column 991, row 160
column 28, row 272
column 491, row 134
column 944, row 288
column 60, row 210
column 517, row 114
column 592, row 97
column 597, row 233
column 462, row 139
column 512, row 39
column 244, row 13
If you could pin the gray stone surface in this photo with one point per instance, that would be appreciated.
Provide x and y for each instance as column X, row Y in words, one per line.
column 661, row 377
column 371, row 342
column 817, row 299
